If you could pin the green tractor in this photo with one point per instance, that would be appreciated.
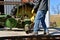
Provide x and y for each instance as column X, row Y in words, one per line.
column 2, row 20
column 7, row 21
column 25, row 10
column 20, row 21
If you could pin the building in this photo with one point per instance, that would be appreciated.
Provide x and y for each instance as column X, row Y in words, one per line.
column 7, row 8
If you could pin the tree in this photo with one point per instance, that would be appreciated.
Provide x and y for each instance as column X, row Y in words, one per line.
column 54, row 9
column 58, row 9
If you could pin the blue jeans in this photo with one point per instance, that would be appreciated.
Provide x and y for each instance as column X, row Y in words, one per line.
column 40, row 17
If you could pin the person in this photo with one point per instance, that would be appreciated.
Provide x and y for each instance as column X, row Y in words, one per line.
column 42, row 7
column 13, row 11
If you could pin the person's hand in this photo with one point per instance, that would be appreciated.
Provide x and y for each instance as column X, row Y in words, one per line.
column 32, row 11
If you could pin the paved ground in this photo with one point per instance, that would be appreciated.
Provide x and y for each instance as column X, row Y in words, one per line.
column 52, row 31
column 3, row 33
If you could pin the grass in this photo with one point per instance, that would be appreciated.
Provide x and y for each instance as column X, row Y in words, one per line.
column 55, row 18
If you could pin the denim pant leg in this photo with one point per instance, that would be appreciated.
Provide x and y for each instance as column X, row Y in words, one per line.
column 37, row 21
column 43, row 21
column 40, row 17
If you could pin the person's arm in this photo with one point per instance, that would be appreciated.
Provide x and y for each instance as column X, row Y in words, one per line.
column 36, row 3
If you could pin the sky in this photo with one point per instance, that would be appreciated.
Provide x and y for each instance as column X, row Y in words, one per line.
column 53, row 6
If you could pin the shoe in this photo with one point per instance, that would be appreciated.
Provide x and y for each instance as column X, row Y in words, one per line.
column 46, row 33
column 35, row 33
